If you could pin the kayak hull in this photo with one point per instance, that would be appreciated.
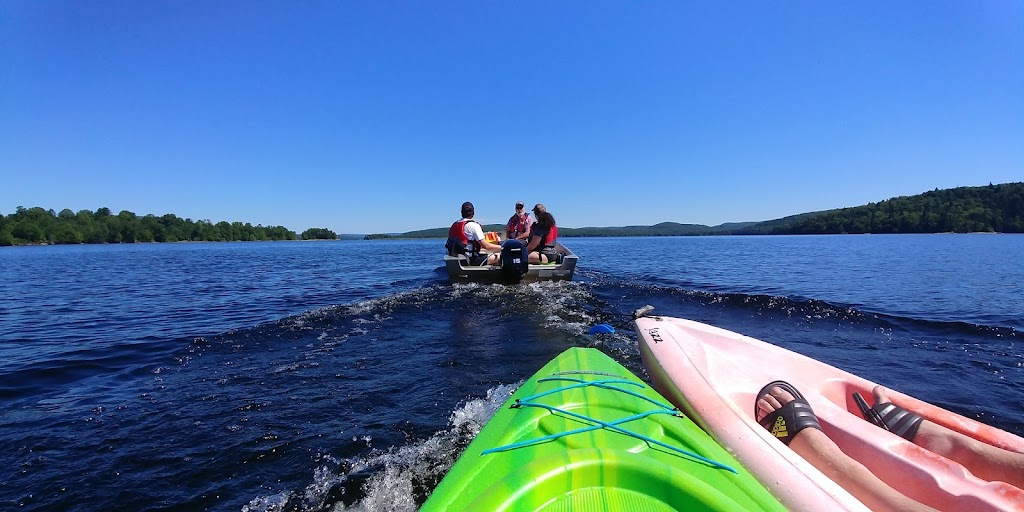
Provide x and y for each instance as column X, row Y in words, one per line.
column 537, row 466
column 714, row 374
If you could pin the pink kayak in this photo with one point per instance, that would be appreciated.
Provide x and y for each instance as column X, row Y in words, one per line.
column 713, row 375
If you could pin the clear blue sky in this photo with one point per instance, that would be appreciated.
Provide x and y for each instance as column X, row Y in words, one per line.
column 370, row 117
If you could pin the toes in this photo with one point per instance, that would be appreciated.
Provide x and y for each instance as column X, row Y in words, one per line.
column 763, row 409
column 781, row 395
column 767, row 404
column 772, row 400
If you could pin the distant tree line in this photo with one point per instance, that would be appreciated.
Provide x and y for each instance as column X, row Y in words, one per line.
column 660, row 229
column 438, row 232
column 993, row 208
column 39, row 226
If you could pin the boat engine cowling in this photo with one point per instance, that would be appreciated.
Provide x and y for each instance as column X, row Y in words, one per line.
column 514, row 261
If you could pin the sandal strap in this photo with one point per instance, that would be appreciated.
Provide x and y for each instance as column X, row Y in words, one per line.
column 785, row 422
column 898, row 420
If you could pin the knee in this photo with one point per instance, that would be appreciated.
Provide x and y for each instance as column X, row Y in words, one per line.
column 934, row 439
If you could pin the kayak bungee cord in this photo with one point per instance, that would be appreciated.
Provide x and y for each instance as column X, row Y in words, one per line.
column 598, row 424
column 600, row 384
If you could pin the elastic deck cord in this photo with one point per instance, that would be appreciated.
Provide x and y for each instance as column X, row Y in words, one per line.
column 598, row 424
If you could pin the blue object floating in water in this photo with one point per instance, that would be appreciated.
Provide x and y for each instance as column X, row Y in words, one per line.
column 602, row 329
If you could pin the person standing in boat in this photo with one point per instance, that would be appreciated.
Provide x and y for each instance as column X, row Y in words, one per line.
column 518, row 226
column 543, row 234
column 466, row 237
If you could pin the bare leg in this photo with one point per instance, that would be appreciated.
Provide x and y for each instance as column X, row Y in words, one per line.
column 815, row 447
column 985, row 461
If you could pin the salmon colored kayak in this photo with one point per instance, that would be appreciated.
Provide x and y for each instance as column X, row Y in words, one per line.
column 585, row 434
column 714, row 376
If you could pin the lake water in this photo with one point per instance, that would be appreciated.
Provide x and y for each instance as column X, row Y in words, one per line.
column 349, row 375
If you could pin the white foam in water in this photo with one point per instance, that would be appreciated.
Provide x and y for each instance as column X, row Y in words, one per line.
column 375, row 305
column 273, row 503
column 391, row 487
column 475, row 413
column 417, row 296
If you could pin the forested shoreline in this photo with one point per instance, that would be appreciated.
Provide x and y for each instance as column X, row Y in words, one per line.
column 987, row 209
column 35, row 226
column 992, row 209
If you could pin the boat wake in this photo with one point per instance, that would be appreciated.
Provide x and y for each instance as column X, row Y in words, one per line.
column 397, row 479
column 800, row 308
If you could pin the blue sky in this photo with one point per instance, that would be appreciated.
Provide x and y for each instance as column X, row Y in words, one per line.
column 368, row 117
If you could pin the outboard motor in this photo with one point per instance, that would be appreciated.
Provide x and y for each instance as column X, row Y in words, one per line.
column 514, row 261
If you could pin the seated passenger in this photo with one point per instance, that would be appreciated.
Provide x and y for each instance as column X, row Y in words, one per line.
column 542, row 236
column 781, row 409
column 466, row 237
column 518, row 226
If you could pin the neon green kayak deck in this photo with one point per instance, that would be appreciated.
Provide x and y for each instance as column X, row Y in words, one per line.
column 585, row 434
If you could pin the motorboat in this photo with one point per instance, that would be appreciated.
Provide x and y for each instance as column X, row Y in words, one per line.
column 461, row 271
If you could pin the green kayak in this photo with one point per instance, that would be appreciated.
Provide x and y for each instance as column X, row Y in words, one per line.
column 585, row 434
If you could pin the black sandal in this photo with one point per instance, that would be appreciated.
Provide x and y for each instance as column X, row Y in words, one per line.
column 786, row 421
column 891, row 417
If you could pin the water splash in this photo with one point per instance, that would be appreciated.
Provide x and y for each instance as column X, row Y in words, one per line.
column 400, row 477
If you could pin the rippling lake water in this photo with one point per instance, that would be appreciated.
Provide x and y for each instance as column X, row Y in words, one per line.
column 349, row 375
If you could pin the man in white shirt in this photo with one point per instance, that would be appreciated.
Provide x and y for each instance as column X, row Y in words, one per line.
column 466, row 237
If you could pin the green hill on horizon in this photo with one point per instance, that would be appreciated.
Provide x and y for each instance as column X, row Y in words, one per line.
column 991, row 208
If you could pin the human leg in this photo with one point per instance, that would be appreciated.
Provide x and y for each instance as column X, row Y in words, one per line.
column 983, row 460
column 815, row 447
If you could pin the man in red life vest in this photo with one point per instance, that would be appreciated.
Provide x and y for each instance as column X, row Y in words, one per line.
column 518, row 227
column 466, row 237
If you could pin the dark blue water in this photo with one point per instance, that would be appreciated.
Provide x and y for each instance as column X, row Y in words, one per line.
column 349, row 375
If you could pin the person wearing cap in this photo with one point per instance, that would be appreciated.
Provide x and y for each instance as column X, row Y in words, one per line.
column 518, row 227
column 542, row 235
column 466, row 237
